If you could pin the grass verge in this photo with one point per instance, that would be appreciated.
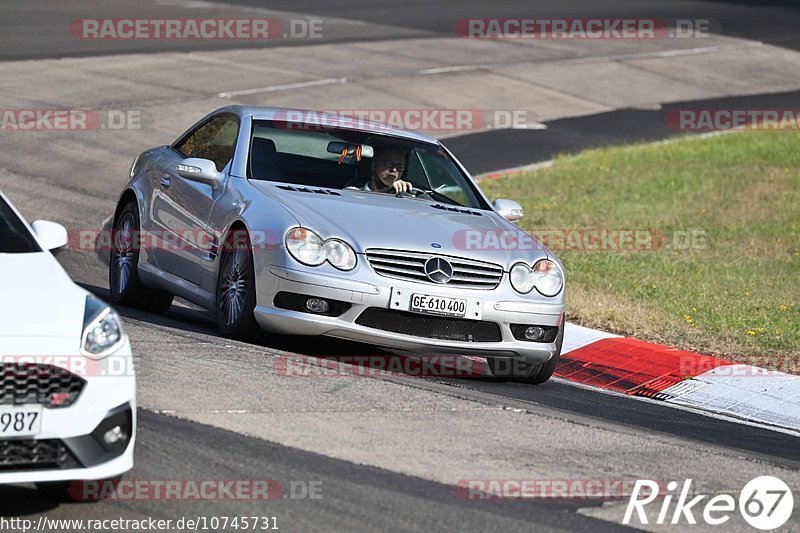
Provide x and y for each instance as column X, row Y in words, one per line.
column 716, row 266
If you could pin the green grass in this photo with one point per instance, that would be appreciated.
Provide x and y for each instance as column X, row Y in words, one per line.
column 734, row 292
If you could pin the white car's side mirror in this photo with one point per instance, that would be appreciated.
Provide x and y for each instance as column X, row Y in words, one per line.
column 50, row 234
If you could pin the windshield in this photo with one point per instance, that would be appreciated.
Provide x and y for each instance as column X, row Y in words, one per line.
column 314, row 156
column 14, row 236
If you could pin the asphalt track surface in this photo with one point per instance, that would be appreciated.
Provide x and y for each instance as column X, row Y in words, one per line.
column 23, row 23
column 366, row 498
column 500, row 149
column 354, row 498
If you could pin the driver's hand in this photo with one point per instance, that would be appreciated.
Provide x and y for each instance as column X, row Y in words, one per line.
column 402, row 186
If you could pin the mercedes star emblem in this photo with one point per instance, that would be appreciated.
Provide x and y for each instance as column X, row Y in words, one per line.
column 438, row 270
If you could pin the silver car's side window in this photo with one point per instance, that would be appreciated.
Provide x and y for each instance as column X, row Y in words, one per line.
column 215, row 140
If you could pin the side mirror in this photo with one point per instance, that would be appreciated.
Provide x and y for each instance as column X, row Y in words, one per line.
column 202, row 170
column 51, row 235
column 508, row 209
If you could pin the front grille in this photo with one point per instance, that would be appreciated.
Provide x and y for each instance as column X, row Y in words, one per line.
column 411, row 265
column 430, row 327
column 32, row 454
column 37, row 383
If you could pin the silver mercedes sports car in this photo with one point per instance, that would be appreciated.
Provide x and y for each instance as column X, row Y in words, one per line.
column 297, row 222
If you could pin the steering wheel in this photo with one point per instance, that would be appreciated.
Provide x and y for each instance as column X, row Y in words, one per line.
column 413, row 193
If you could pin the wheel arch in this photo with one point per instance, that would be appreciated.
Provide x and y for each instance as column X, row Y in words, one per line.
column 127, row 196
column 236, row 224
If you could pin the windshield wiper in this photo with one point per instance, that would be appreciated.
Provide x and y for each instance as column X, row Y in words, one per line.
column 434, row 194
column 442, row 198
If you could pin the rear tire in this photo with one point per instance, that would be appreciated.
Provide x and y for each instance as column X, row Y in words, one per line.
column 123, row 266
column 236, row 290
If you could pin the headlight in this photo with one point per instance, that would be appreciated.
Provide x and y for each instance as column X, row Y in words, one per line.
column 545, row 276
column 102, row 329
column 305, row 246
column 308, row 248
column 340, row 255
column 521, row 278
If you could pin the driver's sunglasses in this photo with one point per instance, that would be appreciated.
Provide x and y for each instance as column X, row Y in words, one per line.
column 388, row 163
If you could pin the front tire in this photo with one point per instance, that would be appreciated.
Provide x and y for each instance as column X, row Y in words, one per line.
column 524, row 373
column 236, row 290
column 123, row 266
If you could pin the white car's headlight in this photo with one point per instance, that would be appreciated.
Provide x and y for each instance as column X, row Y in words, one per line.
column 309, row 248
column 545, row 277
column 102, row 329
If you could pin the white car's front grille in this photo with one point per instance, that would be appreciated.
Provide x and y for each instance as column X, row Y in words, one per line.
column 411, row 265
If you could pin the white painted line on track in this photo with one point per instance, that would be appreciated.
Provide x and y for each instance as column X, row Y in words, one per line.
column 289, row 86
column 445, row 70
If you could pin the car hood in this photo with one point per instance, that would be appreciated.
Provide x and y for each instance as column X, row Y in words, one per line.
column 373, row 220
column 38, row 299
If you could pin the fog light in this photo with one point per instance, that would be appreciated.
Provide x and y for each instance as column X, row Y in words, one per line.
column 317, row 305
column 114, row 435
column 534, row 333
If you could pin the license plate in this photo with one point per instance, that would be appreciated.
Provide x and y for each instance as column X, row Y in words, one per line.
column 438, row 305
column 23, row 421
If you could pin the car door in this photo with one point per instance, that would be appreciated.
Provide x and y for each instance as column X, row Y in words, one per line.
column 181, row 206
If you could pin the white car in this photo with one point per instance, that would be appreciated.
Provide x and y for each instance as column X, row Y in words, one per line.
column 67, row 394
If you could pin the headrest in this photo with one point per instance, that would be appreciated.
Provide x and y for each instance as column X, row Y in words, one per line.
column 263, row 151
column 263, row 148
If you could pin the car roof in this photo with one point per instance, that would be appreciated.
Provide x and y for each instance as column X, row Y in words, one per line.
column 310, row 116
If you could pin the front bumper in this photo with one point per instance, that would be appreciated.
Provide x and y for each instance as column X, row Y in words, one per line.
column 498, row 307
column 108, row 399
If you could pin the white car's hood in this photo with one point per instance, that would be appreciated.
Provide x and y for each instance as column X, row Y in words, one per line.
column 37, row 299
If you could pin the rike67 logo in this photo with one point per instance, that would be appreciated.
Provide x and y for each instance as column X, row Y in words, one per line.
column 766, row 503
